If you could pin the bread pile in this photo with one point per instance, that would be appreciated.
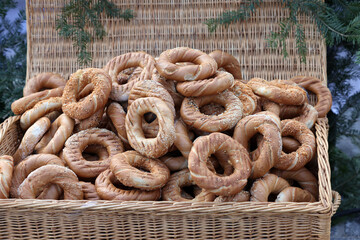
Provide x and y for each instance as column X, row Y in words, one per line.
column 182, row 127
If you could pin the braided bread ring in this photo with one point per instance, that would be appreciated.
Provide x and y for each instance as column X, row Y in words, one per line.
column 47, row 80
column 263, row 187
column 298, row 159
column 53, row 141
column 172, row 190
column 76, row 144
column 84, row 108
column 268, row 124
column 124, row 167
column 31, row 137
column 89, row 191
column 306, row 114
column 228, row 62
column 219, row 82
column 174, row 163
column 294, row 194
column 191, row 115
column 238, row 157
column 25, row 103
column 242, row 196
column 246, row 96
column 150, row 88
column 323, row 94
column 151, row 147
column 39, row 110
column 119, row 63
column 204, row 68
column 6, row 173
column 278, row 91
column 106, row 190
column 29, row 164
column 55, row 174
column 304, row 177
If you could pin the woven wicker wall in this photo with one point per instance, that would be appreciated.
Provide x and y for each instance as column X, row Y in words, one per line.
column 162, row 24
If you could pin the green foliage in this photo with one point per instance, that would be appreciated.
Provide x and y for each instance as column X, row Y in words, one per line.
column 338, row 22
column 12, row 66
column 79, row 21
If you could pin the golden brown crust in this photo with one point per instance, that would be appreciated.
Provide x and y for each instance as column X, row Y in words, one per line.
column 150, row 147
column 242, row 196
column 298, row 159
column 150, row 88
column 31, row 137
column 263, row 187
column 84, row 108
column 76, row 144
column 191, row 115
column 55, row 174
column 182, row 140
column 47, row 80
column 228, row 62
column 306, row 114
column 25, row 103
column 105, row 188
column 117, row 115
column 238, row 157
column 323, row 93
column 120, row 92
column 54, row 139
column 204, row 68
column 174, row 163
column 294, row 194
column 125, row 166
column 304, row 177
column 39, row 110
column 268, row 124
column 91, row 122
column 29, row 164
column 219, row 82
column 89, row 191
column 173, row 192
column 246, row 96
column 6, row 174
column 278, row 91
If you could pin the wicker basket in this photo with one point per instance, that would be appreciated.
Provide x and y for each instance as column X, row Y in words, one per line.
column 159, row 25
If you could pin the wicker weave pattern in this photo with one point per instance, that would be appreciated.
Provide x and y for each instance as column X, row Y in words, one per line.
column 163, row 24
column 159, row 25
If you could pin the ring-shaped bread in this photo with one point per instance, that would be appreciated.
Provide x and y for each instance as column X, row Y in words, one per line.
column 238, row 157
column 150, row 147
column 204, row 66
column 125, row 167
column 76, row 144
column 191, row 115
column 83, row 108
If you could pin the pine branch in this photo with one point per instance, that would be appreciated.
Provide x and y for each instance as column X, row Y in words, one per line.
column 335, row 24
column 79, row 15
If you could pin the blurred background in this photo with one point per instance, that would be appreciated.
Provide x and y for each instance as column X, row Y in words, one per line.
column 344, row 118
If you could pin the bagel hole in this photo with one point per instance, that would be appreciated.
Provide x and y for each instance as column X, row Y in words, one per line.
column 253, row 142
column 142, row 169
column 124, row 76
column 91, row 152
column 149, row 117
column 212, row 109
column 272, row 197
column 190, row 192
column 220, row 168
